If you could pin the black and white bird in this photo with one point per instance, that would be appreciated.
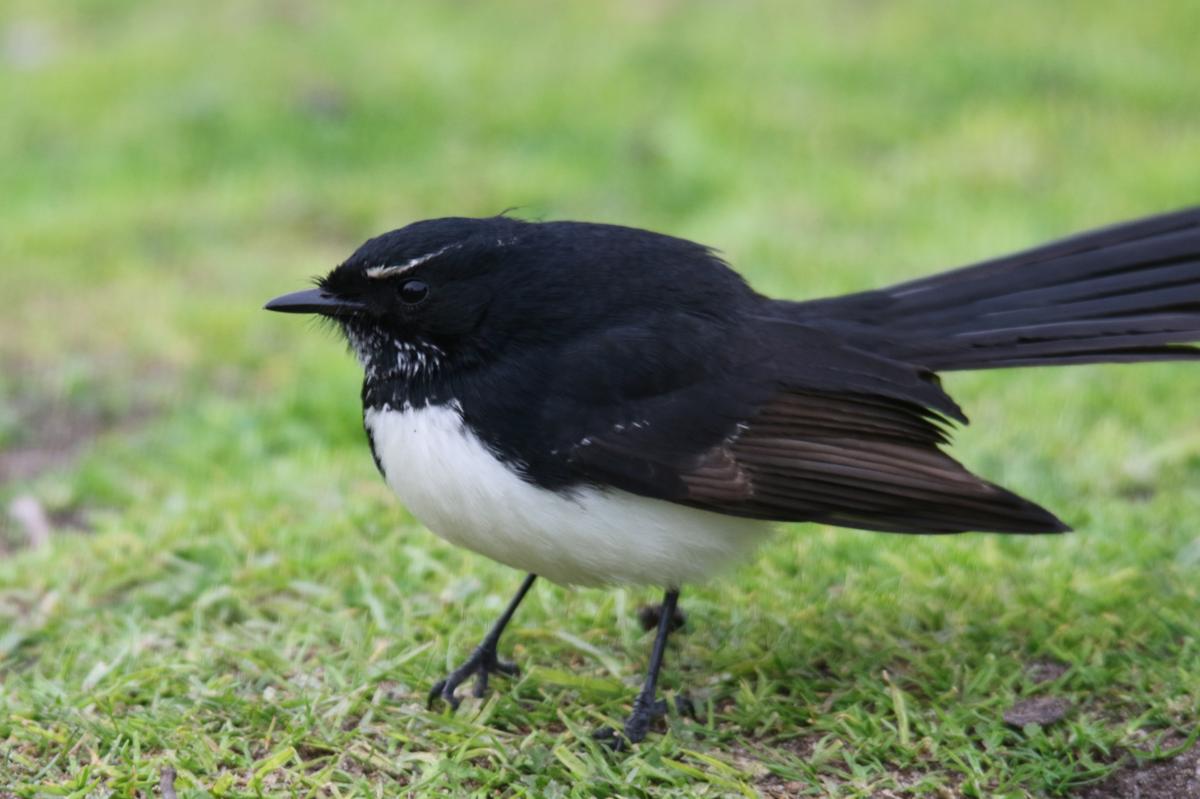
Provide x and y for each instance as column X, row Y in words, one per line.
column 598, row 404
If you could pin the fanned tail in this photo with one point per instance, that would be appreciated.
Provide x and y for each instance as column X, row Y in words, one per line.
column 1130, row 292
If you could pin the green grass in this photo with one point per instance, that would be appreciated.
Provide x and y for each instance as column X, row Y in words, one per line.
column 252, row 608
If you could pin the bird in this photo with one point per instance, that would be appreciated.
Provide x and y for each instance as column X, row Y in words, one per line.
column 597, row 404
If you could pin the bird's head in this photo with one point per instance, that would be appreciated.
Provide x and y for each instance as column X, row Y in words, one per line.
column 457, row 291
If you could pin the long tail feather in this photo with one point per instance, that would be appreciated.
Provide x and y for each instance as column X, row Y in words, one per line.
column 1129, row 292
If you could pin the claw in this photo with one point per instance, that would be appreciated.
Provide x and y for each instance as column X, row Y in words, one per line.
column 608, row 737
column 441, row 690
column 482, row 664
column 639, row 721
column 481, row 684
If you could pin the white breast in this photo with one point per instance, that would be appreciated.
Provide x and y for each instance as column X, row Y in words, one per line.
column 457, row 488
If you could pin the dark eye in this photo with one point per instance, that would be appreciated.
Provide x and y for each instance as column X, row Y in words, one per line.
column 413, row 292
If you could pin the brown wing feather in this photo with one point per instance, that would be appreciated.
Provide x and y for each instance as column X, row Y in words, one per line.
column 854, row 461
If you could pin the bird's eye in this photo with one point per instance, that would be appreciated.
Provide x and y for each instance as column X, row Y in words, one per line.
column 413, row 292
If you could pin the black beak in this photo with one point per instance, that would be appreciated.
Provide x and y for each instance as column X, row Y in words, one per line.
column 313, row 301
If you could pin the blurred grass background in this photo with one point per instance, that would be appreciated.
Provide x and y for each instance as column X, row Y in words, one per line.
column 249, row 607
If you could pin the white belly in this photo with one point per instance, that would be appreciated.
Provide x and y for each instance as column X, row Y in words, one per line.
column 453, row 484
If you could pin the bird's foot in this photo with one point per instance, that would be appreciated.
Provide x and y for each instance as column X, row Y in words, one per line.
column 649, row 616
column 638, row 724
column 482, row 663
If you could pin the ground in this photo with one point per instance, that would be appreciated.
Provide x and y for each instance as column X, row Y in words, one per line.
column 225, row 601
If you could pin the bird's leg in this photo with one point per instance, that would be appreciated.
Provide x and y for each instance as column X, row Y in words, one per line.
column 645, row 708
column 483, row 661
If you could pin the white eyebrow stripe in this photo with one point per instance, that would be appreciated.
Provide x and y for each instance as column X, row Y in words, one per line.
column 380, row 272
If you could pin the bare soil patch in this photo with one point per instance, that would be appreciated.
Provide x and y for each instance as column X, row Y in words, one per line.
column 1175, row 778
column 47, row 420
column 50, row 437
column 1041, row 710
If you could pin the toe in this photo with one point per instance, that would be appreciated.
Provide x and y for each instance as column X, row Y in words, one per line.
column 481, row 683
column 482, row 664
column 609, row 738
column 636, row 728
column 435, row 692
column 444, row 690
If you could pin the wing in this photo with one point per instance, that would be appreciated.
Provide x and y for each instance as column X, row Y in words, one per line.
column 812, row 430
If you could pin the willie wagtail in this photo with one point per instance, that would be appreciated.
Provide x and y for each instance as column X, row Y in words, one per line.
column 599, row 404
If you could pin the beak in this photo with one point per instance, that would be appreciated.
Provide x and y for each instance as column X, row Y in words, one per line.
column 313, row 301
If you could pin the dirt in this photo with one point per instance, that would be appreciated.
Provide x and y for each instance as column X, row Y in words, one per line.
column 17, row 533
column 51, row 437
column 1175, row 778
column 55, row 410
column 52, row 431
column 1171, row 778
column 773, row 786
column 51, row 441
column 1041, row 710
column 53, row 426
column 769, row 784
column 1042, row 671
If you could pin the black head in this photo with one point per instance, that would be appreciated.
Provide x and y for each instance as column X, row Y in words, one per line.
column 456, row 292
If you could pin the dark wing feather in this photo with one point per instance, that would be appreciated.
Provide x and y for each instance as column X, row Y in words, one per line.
column 803, row 428
column 853, row 462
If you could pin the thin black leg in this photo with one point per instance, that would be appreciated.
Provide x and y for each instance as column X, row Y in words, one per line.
column 645, row 708
column 483, row 661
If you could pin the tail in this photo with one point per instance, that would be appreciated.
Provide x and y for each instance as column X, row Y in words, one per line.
column 1130, row 292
